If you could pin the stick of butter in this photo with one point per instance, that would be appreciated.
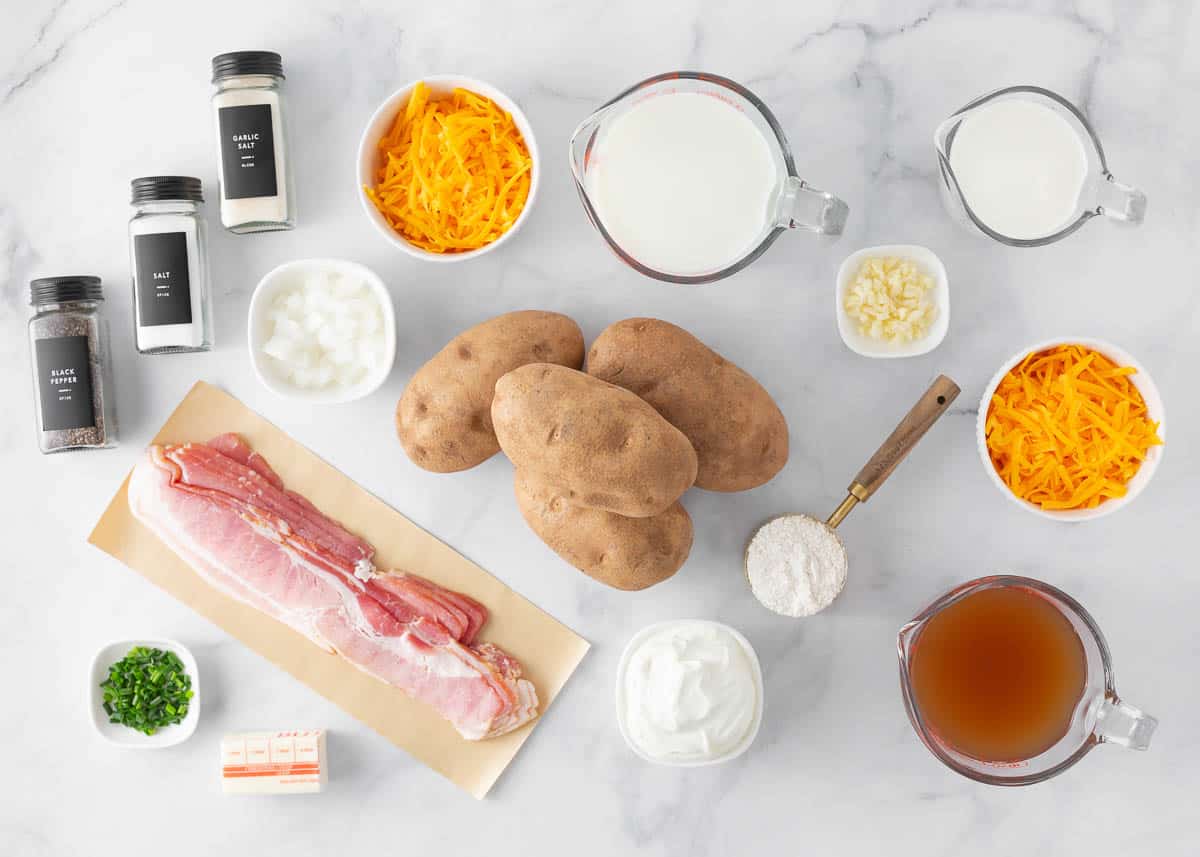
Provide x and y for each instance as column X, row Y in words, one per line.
column 274, row 762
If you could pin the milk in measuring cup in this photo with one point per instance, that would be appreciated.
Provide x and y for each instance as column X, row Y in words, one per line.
column 683, row 182
column 1020, row 166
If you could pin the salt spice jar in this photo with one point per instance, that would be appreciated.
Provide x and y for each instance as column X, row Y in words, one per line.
column 256, row 180
column 68, row 340
column 169, row 260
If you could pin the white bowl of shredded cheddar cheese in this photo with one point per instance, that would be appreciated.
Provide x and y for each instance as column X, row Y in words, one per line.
column 1080, row 430
column 892, row 301
column 462, row 206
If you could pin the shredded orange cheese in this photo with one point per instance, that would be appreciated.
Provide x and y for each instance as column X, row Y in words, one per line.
column 1067, row 429
column 454, row 172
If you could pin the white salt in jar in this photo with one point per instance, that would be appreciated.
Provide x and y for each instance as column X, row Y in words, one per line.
column 169, row 262
column 256, row 180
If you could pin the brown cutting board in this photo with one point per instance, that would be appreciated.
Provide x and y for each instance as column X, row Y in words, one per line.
column 548, row 650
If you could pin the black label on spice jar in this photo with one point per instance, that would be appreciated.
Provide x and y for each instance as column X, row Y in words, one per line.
column 164, row 294
column 65, row 383
column 247, row 151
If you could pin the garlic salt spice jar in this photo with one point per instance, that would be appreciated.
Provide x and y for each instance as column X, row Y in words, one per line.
column 256, row 180
column 169, row 260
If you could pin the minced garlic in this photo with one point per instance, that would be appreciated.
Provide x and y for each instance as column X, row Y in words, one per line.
column 889, row 298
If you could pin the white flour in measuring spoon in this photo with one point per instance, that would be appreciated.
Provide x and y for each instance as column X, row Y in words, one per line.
column 796, row 565
column 683, row 183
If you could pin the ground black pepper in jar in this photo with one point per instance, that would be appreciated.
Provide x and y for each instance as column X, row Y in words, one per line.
column 68, row 340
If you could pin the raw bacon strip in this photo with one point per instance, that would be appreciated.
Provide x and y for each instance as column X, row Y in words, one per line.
column 326, row 543
column 226, row 513
column 232, row 445
column 461, row 615
column 203, row 467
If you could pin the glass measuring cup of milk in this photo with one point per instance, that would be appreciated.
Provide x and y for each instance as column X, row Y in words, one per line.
column 1023, row 166
column 689, row 178
column 998, row 677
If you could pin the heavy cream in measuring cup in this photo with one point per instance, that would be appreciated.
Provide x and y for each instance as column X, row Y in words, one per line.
column 689, row 692
column 683, row 183
column 1020, row 166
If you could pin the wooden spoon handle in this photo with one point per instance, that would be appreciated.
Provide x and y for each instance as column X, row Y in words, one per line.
column 912, row 428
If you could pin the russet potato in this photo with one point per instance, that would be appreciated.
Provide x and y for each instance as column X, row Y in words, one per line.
column 444, row 417
column 625, row 553
column 737, row 430
column 593, row 443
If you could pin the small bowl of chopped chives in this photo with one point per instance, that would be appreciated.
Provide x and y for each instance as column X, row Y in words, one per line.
column 892, row 301
column 448, row 168
column 145, row 694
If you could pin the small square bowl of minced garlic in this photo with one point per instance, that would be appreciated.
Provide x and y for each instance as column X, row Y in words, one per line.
column 892, row 301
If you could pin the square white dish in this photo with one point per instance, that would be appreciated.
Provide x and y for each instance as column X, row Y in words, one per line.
column 928, row 261
column 124, row 736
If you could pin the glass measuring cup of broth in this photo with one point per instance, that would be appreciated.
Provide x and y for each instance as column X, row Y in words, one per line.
column 1023, row 166
column 1008, row 681
column 689, row 178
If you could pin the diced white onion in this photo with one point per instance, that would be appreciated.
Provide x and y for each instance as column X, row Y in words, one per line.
column 325, row 331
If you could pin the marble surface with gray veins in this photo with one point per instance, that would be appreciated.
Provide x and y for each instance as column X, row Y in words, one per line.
column 94, row 93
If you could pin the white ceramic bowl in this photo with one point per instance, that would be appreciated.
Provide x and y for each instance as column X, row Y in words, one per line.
column 381, row 121
column 751, row 734
column 1154, row 409
column 124, row 736
column 928, row 261
column 288, row 274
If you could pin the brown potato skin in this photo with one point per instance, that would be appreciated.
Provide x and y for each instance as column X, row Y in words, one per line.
column 624, row 553
column 737, row 430
column 596, row 444
column 444, row 417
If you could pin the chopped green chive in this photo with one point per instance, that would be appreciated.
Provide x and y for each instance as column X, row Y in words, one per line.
column 146, row 690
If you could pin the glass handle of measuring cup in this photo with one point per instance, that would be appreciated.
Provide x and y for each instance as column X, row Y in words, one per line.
column 1119, row 723
column 804, row 207
column 1121, row 201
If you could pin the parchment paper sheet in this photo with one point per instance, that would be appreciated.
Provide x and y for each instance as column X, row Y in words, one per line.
column 548, row 650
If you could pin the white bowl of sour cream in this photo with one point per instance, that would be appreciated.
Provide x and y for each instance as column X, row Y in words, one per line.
column 689, row 693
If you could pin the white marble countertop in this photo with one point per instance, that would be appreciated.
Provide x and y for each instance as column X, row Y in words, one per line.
column 94, row 92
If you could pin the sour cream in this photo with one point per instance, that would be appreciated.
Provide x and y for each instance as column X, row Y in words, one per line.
column 689, row 692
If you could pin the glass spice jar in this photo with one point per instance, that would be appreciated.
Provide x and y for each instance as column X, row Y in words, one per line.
column 68, row 341
column 256, row 178
column 169, row 260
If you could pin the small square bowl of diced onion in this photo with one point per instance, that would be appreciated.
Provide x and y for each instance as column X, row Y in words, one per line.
column 892, row 301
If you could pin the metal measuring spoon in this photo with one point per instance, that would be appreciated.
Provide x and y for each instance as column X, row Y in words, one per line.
column 935, row 401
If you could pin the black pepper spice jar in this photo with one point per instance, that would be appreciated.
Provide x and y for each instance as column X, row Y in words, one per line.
column 68, row 340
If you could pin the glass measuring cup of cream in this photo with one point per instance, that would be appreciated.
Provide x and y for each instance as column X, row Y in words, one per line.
column 1023, row 166
column 689, row 178
column 1008, row 681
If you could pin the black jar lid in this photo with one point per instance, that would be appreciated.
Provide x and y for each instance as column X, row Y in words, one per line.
column 242, row 63
column 57, row 290
column 164, row 188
